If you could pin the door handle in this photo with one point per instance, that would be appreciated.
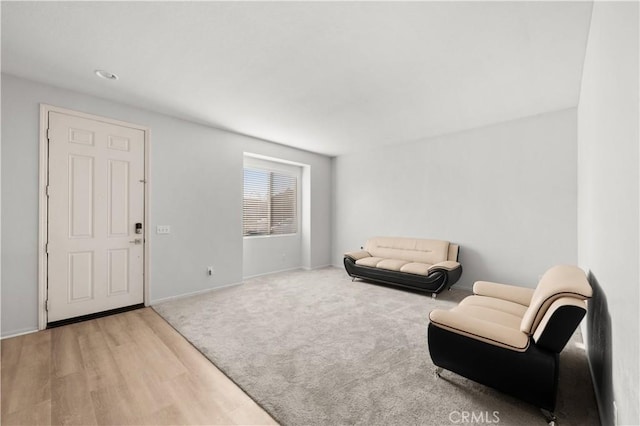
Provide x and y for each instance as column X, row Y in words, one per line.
column 136, row 241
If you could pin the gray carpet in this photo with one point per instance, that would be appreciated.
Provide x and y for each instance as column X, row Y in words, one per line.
column 314, row 348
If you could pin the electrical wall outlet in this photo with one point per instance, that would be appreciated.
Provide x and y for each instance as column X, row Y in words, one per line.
column 163, row 229
column 210, row 270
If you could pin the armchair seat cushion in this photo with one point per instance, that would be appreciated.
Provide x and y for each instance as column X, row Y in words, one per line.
column 494, row 316
column 506, row 306
column 489, row 320
column 421, row 264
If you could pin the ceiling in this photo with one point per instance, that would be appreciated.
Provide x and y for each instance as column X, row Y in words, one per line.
column 328, row 77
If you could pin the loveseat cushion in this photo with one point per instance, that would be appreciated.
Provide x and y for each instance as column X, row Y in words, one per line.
column 409, row 249
column 391, row 264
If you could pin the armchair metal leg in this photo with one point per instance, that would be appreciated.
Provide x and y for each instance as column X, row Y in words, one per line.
column 434, row 295
column 353, row 279
column 549, row 417
column 438, row 372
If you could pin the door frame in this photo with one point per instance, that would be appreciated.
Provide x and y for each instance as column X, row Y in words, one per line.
column 45, row 109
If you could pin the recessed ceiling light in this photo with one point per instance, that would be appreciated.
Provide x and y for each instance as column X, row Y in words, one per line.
column 106, row 75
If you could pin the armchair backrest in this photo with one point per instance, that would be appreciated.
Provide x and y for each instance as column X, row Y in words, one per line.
column 559, row 286
column 559, row 323
column 409, row 249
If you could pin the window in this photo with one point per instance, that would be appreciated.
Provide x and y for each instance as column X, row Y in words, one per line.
column 270, row 203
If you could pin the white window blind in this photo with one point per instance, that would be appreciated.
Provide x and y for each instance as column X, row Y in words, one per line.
column 270, row 203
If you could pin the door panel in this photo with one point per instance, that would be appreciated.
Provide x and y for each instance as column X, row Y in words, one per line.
column 80, row 184
column 118, row 271
column 118, row 189
column 80, row 278
column 96, row 196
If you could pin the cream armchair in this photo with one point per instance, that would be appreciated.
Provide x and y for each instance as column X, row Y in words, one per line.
column 510, row 337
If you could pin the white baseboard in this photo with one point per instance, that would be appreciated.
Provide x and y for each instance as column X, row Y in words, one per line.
column 19, row 333
column 193, row 293
column 206, row 290
column 312, row 268
column 273, row 272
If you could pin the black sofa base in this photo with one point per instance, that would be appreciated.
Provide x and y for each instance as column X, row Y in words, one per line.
column 531, row 376
column 435, row 282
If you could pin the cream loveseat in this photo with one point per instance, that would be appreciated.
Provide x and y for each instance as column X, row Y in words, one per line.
column 509, row 337
column 419, row 264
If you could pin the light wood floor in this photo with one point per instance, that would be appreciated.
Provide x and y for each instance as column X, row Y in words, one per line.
column 130, row 368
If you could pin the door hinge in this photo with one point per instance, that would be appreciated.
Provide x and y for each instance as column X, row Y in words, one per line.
column 49, row 135
column 46, row 248
column 48, row 191
column 47, row 305
column 143, row 181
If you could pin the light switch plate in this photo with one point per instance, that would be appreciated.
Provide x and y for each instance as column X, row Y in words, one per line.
column 163, row 229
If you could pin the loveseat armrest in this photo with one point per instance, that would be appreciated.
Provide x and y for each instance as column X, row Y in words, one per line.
column 511, row 293
column 478, row 329
column 451, row 269
column 447, row 265
column 357, row 255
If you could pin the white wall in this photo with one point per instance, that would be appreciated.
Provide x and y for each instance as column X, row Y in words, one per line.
column 265, row 255
column 608, row 205
column 505, row 193
column 196, row 187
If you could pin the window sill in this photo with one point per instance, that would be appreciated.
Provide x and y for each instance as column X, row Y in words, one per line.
column 251, row 237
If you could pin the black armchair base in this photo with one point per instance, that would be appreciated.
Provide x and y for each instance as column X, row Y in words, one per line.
column 531, row 375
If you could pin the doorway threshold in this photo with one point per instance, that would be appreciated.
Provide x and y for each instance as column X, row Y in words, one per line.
column 95, row 315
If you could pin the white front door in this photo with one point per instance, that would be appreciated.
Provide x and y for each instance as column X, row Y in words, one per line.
column 96, row 198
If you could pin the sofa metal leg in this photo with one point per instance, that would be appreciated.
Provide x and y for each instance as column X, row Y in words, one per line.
column 438, row 372
column 549, row 417
column 353, row 279
column 434, row 295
